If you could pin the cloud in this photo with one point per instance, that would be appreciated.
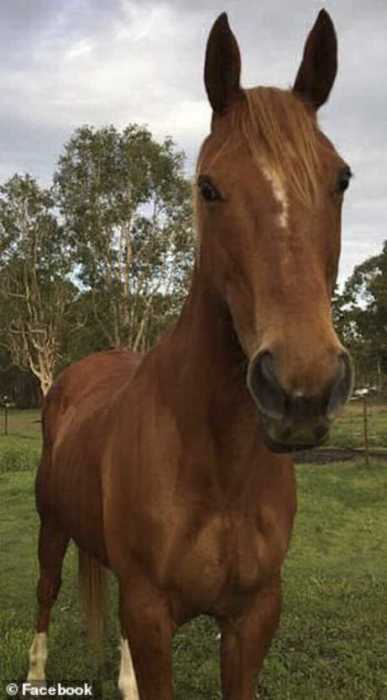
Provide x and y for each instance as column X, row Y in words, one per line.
column 70, row 62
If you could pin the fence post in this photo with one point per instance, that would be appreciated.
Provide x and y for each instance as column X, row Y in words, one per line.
column 365, row 425
column 4, row 401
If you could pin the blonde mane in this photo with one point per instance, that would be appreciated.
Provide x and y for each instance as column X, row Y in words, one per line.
column 282, row 133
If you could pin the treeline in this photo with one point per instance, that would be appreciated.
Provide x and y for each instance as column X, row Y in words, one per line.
column 360, row 315
column 102, row 259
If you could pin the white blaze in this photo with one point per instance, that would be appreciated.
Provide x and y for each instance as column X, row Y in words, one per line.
column 279, row 194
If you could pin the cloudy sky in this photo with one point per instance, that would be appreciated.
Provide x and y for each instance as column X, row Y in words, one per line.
column 70, row 62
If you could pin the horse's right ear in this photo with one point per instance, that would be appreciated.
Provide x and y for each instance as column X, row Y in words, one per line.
column 222, row 68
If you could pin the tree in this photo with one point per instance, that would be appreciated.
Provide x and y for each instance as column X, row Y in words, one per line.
column 127, row 218
column 361, row 316
column 35, row 292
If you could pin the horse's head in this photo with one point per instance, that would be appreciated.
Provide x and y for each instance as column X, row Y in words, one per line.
column 270, row 189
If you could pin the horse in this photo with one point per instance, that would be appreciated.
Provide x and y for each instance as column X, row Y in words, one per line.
column 173, row 469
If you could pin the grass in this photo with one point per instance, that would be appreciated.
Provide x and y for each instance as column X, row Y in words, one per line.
column 331, row 643
column 20, row 449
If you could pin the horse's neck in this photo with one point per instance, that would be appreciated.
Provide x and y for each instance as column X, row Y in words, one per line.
column 195, row 381
column 205, row 369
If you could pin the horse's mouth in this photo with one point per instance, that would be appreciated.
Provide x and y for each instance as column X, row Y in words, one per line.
column 282, row 447
column 288, row 441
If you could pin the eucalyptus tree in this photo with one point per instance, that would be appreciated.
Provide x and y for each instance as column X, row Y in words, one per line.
column 127, row 218
column 361, row 316
column 35, row 292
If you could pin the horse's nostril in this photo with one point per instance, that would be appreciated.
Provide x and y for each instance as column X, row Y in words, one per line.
column 267, row 367
column 264, row 386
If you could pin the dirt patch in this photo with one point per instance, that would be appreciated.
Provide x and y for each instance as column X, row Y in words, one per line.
column 337, row 454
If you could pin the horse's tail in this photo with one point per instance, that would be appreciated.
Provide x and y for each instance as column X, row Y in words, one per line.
column 92, row 587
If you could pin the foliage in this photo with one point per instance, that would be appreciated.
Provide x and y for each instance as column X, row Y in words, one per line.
column 35, row 292
column 101, row 259
column 128, row 222
column 360, row 314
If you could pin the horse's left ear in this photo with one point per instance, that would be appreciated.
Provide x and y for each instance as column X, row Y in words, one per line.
column 222, row 68
column 318, row 69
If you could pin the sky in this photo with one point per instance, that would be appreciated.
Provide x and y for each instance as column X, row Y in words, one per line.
column 65, row 63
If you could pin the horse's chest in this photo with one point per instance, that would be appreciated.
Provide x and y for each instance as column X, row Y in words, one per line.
column 226, row 557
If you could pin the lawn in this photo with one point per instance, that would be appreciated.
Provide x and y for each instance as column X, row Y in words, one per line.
column 332, row 639
column 20, row 449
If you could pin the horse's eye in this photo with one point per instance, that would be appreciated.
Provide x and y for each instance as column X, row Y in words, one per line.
column 343, row 179
column 208, row 189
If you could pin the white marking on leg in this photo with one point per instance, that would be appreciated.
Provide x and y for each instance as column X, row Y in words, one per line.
column 38, row 658
column 127, row 678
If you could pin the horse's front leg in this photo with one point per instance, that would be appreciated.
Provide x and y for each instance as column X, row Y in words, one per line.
column 245, row 642
column 147, row 626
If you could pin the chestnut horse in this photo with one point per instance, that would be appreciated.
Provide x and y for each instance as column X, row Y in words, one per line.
column 172, row 469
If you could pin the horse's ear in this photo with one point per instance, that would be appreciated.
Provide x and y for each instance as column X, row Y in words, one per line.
column 222, row 68
column 318, row 69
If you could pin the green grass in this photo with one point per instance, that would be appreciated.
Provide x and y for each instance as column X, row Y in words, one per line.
column 332, row 639
column 20, row 449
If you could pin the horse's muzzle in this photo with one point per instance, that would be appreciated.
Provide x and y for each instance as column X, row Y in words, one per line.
column 296, row 421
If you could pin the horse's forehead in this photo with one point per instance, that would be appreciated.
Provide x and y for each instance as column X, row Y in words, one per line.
column 237, row 155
